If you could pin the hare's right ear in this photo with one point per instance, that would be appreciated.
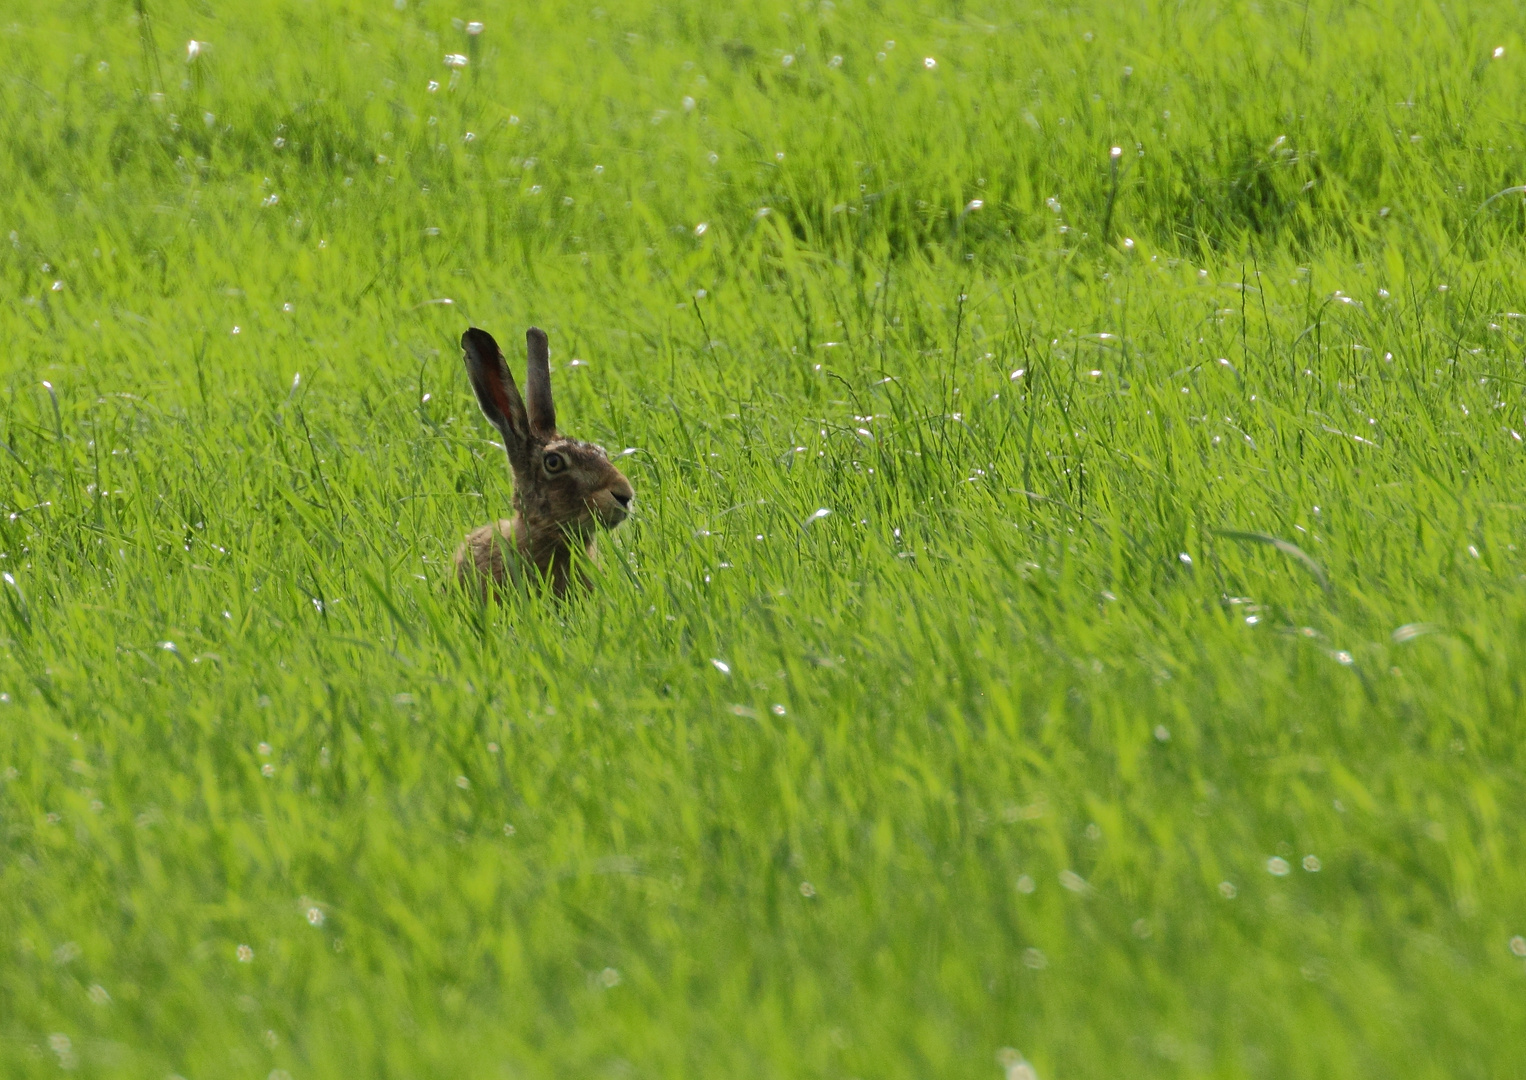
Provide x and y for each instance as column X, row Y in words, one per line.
column 538, row 383
column 496, row 392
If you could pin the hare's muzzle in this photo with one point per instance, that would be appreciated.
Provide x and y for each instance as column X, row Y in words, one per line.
column 613, row 504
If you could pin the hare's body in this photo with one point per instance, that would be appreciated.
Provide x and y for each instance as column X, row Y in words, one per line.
column 565, row 490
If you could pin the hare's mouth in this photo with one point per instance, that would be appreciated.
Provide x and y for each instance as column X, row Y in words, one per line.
column 611, row 507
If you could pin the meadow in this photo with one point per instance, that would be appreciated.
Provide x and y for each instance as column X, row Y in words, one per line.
column 1074, row 620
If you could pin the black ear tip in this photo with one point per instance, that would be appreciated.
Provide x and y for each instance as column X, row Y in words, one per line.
column 479, row 339
column 535, row 336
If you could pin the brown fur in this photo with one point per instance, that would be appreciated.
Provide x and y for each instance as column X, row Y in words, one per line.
column 565, row 490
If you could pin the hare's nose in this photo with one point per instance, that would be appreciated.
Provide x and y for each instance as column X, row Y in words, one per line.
column 623, row 498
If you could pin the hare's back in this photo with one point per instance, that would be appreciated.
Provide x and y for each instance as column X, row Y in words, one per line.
column 481, row 561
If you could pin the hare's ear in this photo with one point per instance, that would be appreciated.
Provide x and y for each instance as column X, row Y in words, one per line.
column 538, row 383
column 495, row 390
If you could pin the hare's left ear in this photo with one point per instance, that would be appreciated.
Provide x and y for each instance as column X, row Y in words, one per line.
column 496, row 392
column 538, row 383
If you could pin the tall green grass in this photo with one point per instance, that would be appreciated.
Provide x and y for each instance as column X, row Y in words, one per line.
column 1074, row 613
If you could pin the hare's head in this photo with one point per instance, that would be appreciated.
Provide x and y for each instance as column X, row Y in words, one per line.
column 560, row 484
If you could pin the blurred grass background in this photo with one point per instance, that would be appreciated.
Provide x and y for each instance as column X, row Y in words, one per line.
column 1146, row 702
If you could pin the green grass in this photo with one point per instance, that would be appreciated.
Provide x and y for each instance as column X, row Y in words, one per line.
column 997, row 754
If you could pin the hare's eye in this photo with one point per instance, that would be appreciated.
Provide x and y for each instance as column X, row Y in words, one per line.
column 554, row 462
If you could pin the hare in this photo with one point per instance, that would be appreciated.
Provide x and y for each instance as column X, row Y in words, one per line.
column 564, row 490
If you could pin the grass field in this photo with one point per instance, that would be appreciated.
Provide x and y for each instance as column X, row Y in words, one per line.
column 1074, row 614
